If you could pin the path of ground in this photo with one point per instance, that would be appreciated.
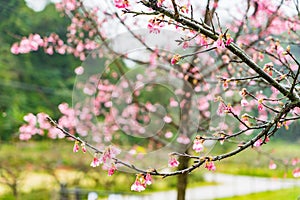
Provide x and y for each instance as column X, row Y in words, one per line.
column 228, row 186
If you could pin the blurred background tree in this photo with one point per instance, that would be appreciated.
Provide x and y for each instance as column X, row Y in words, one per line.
column 34, row 82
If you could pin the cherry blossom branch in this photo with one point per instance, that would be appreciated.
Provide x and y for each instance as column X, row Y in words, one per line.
column 297, row 73
column 232, row 47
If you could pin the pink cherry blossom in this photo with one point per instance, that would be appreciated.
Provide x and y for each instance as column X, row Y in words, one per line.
column 83, row 147
column 14, row 48
column 272, row 165
column 173, row 162
column 221, row 108
column 228, row 109
column 210, row 166
column 296, row 172
column 79, row 70
column 183, row 139
column 167, row 119
column 43, row 121
column 168, row 134
column 111, row 170
column 260, row 107
column 159, row 3
column 295, row 161
column 154, row 25
column 228, row 41
column 258, row 143
column 244, row 103
column 69, row 4
column 202, row 40
column 220, row 43
column 76, row 146
column 175, row 59
column 96, row 162
column 173, row 103
column 198, row 146
column 137, row 186
column 226, row 84
column 109, row 153
column 148, row 179
column 153, row 58
column 185, row 45
column 24, row 136
column 121, row 3
column 30, row 119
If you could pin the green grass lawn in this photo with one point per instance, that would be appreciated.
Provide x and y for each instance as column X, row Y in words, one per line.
column 284, row 194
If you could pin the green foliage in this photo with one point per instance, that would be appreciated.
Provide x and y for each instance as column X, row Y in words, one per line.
column 292, row 193
column 34, row 82
column 39, row 194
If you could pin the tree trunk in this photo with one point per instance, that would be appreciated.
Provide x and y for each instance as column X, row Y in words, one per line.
column 182, row 179
column 15, row 190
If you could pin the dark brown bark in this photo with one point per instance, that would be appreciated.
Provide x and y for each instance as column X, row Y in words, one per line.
column 182, row 179
column 14, row 188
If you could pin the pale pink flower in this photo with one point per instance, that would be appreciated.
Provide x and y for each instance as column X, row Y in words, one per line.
column 295, row 161
column 70, row 4
column 296, row 172
column 228, row 109
column 173, row 162
column 24, row 136
column 96, row 162
column 225, row 59
column 42, row 121
column 215, row 5
column 154, row 25
column 260, row 107
column 111, row 170
column 226, row 84
column 244, row 103
column 159, row 3
column 153, row 58
column 210, row 166
column 198, row 146
column 258, row 143
column 220, row 43
column 83, row 147
column 228, row 41
column 260, row 56
column 221, row 108
column 137, row 186
column 183, row 139
column 76, row 146
column 173, row 103
column 167, row 119
column 121, row 3
column 79, row 70
column 109, row 153
column 175, row 59
column 148, row 179
column 202, row 40
column 185, row 45
column 30, row 119
column 49, row 50
column 168, row 134
column 272, row 165
column 14, row 48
